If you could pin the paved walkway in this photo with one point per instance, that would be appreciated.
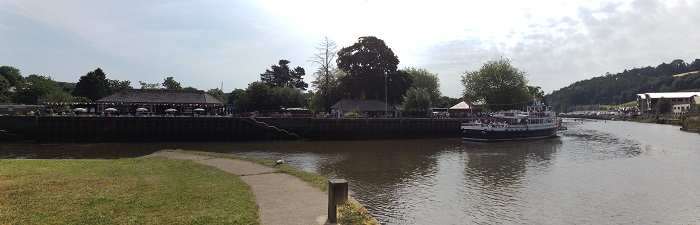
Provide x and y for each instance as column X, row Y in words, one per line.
column 282, row 198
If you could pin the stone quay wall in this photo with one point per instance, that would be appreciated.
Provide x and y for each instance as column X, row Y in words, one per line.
column 187, row 129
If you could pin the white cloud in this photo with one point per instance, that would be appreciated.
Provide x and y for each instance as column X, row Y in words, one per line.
column 606, row 38
column 203, row 43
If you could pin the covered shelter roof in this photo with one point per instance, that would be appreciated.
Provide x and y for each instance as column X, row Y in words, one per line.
column 161, row 96
column 461, row 105
column 363, row 105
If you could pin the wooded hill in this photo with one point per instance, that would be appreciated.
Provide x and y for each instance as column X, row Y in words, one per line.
column 612, row 89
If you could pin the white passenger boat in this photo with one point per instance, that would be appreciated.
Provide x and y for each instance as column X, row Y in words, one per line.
column 535, row 122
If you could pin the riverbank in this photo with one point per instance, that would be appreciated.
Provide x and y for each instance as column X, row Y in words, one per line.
column 689, row 123
column 139, row 190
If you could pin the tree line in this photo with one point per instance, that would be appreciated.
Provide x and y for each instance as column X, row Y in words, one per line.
column 94, row 85
column 622, row 87
column 368, row 69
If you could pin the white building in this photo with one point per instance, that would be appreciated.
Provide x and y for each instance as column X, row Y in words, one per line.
column 680, row 101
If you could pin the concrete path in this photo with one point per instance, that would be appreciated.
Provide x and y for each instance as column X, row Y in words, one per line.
column 282, row 198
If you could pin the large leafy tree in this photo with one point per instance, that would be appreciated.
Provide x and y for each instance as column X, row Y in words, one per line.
column 663, row 106
column 371, row 68
column 537, row 93
column 499, row 84
column 417, row 101
column 257, row 97
column 94, row 85
column 425, row 81
column 12, row 75
column 237, row 98
column 170, row 84
column 287, row 97
column 283, row 76
column 117, row 85
column 34, row 88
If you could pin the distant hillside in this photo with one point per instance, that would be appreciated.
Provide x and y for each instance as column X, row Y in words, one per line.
column 623, row 87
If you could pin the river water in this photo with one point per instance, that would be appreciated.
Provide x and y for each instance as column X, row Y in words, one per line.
column 596, row 172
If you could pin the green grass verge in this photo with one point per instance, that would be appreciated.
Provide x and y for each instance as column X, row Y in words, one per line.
column 315, row 180
column 149, row 190
column 350, row 212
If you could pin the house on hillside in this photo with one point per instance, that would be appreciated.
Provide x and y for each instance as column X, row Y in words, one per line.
column 681, row 102
column 364, row 107
column 158, row 100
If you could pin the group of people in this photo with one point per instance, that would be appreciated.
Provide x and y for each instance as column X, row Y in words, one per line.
column 488, row 123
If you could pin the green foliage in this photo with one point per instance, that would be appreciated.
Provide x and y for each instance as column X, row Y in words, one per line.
column 218, row 94
column 189, row 88
column 56, row 96
column 5, row 99
column 499, row 84
column 287, row 97
column 260, row 96
column 612, row 89
column 66, row 86
column 170, row 84
column 145, row 85
column 426, row 81
column 115, row 86
column 257, row 96
column 371, row 68
column 94, row 85
column 5, row 91
column 328, row 90
column 537, row 93
column 352, row 212
column 12, row 75
column 80, row 99
column 4, row 85
column 237, row 97
column 355, row 113
column 282, row 76
column 150, row 190
column 446, row 102
column 416, row 102
column 663, row 106
column 35, row 87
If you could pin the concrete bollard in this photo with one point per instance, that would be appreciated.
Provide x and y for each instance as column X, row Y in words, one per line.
column 337, row 194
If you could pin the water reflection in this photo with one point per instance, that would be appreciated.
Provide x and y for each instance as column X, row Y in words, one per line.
column 495, row 174
column 595, row 172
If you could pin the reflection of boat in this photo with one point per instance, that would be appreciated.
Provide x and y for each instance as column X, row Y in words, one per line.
column 534, row 123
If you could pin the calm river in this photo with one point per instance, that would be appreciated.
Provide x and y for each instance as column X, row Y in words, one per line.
column 594, row 173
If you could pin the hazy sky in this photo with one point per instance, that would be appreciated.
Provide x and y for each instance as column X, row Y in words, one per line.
column 205, row 43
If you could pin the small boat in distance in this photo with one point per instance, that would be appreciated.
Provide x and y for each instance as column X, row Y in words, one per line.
column 535, row 122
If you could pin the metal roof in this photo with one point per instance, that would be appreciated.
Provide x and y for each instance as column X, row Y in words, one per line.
column 672, row 94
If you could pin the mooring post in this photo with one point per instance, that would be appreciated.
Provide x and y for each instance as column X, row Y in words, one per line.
column 337, row 194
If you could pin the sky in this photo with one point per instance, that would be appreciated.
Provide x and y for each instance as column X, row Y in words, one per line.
column 209, row 44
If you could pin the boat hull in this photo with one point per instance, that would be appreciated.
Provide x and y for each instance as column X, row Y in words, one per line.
column 488, row 134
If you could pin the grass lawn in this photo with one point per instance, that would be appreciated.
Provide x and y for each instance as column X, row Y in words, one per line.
column 350, row 212
column 150, row 190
